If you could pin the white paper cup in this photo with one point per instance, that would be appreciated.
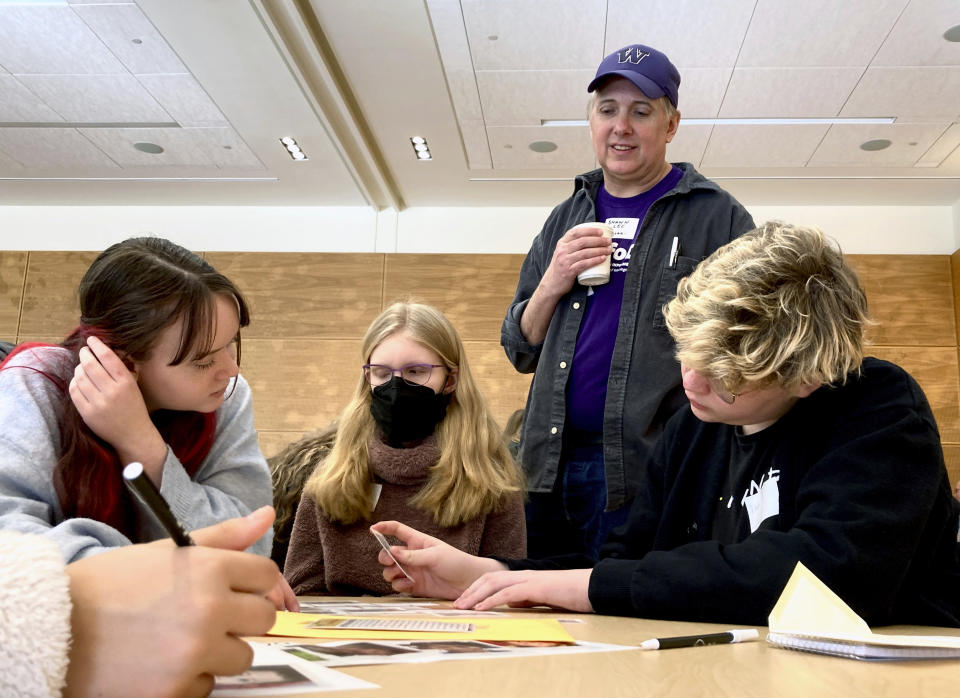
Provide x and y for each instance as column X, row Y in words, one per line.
column 598, row 274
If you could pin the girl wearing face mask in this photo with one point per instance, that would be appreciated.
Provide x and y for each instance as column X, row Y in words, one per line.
column 417, row 443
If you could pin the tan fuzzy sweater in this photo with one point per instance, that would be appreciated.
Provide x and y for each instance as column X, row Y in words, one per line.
column 331, row 558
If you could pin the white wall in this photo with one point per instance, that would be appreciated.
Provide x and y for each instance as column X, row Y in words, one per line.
column 858, row 229
column 874, row 229
column 956, row 225
column 234, row 228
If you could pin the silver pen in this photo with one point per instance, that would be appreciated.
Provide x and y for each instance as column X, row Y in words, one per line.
column 674, row 253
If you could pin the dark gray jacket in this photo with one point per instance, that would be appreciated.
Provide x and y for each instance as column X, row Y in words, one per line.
column 643, row 389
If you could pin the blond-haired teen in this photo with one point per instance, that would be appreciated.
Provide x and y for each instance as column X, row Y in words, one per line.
column 416, row 442
column 794, row 448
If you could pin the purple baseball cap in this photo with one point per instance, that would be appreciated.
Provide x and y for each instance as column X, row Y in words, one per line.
column 647, row 68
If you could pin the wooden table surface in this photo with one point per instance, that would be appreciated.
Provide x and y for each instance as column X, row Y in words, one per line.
column 736, row 670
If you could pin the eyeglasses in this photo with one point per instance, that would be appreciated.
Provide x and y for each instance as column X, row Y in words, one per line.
column 722, row 392
column 412, row 374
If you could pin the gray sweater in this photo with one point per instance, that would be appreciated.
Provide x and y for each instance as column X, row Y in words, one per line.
column 233, row 480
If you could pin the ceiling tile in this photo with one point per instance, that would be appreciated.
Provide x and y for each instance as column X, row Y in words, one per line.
column 940, row 150
column 550, row 34
column 97, row 98
column 524, row 97
column 225, row 147
column 9, row 166
column 917, row 37
column 131, row 37
column 509, row 148
column 762, row 146
column 463, row 93
column 182, row 97
column 688, row 145
column 199, row 147
column 40, row 148
column 17, row 103
column 446, row 21
column 51, row 40
column 817, row 32
column 906, row 92
column 841, row 146
column 799, row 92
column 692, row 33
column 474, row 134
column 701, row 91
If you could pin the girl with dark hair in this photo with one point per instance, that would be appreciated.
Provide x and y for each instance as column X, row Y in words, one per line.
column 151, row 375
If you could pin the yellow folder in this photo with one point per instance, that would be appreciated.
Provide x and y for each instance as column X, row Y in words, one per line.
column 492, row 629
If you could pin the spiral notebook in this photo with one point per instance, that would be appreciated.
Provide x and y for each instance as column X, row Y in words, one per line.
column 811, row 618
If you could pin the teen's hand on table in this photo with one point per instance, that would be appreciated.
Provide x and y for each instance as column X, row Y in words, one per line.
column 282, row 596
column 239, row 534
column 181, row 608
column 109, row 400
column 520, row 588
column 438, row 570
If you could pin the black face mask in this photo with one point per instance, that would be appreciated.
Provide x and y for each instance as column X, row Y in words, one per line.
column 407, row 412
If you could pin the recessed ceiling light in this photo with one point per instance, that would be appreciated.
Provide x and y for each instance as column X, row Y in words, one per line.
column 151, row 148
column 293, row 150
column 875, row 144
column 953, row 33
column 543, row 146
column 420, row 148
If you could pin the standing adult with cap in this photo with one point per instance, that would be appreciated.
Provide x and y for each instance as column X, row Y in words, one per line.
column 605, row 377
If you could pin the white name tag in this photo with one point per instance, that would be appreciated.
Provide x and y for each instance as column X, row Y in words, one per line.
column 623, row 228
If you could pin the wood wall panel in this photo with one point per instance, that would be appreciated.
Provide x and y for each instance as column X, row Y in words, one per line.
column 300, row 384
column 295, row 295
column 310, row 312
column 910, row 297
column 13, row 268
column 504, row 389
column 50, row 304
column 951, row 454
column 935, row 369
column 272, row 442
column 473, row 291
column 955, row 278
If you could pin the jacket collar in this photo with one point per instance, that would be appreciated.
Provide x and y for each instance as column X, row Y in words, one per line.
column 590, row 182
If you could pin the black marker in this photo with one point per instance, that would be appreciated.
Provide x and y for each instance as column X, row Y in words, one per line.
column 669, row 643
column 143, row 487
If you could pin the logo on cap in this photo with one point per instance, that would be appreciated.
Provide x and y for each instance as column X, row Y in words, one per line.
column 631, row 54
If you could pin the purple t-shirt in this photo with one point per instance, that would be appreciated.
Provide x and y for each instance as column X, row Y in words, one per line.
column 587, row 387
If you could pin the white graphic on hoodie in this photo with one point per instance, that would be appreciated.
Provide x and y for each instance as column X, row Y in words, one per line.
column 762, row 500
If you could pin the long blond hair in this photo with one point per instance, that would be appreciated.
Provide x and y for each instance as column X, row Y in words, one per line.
column 475, row 471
